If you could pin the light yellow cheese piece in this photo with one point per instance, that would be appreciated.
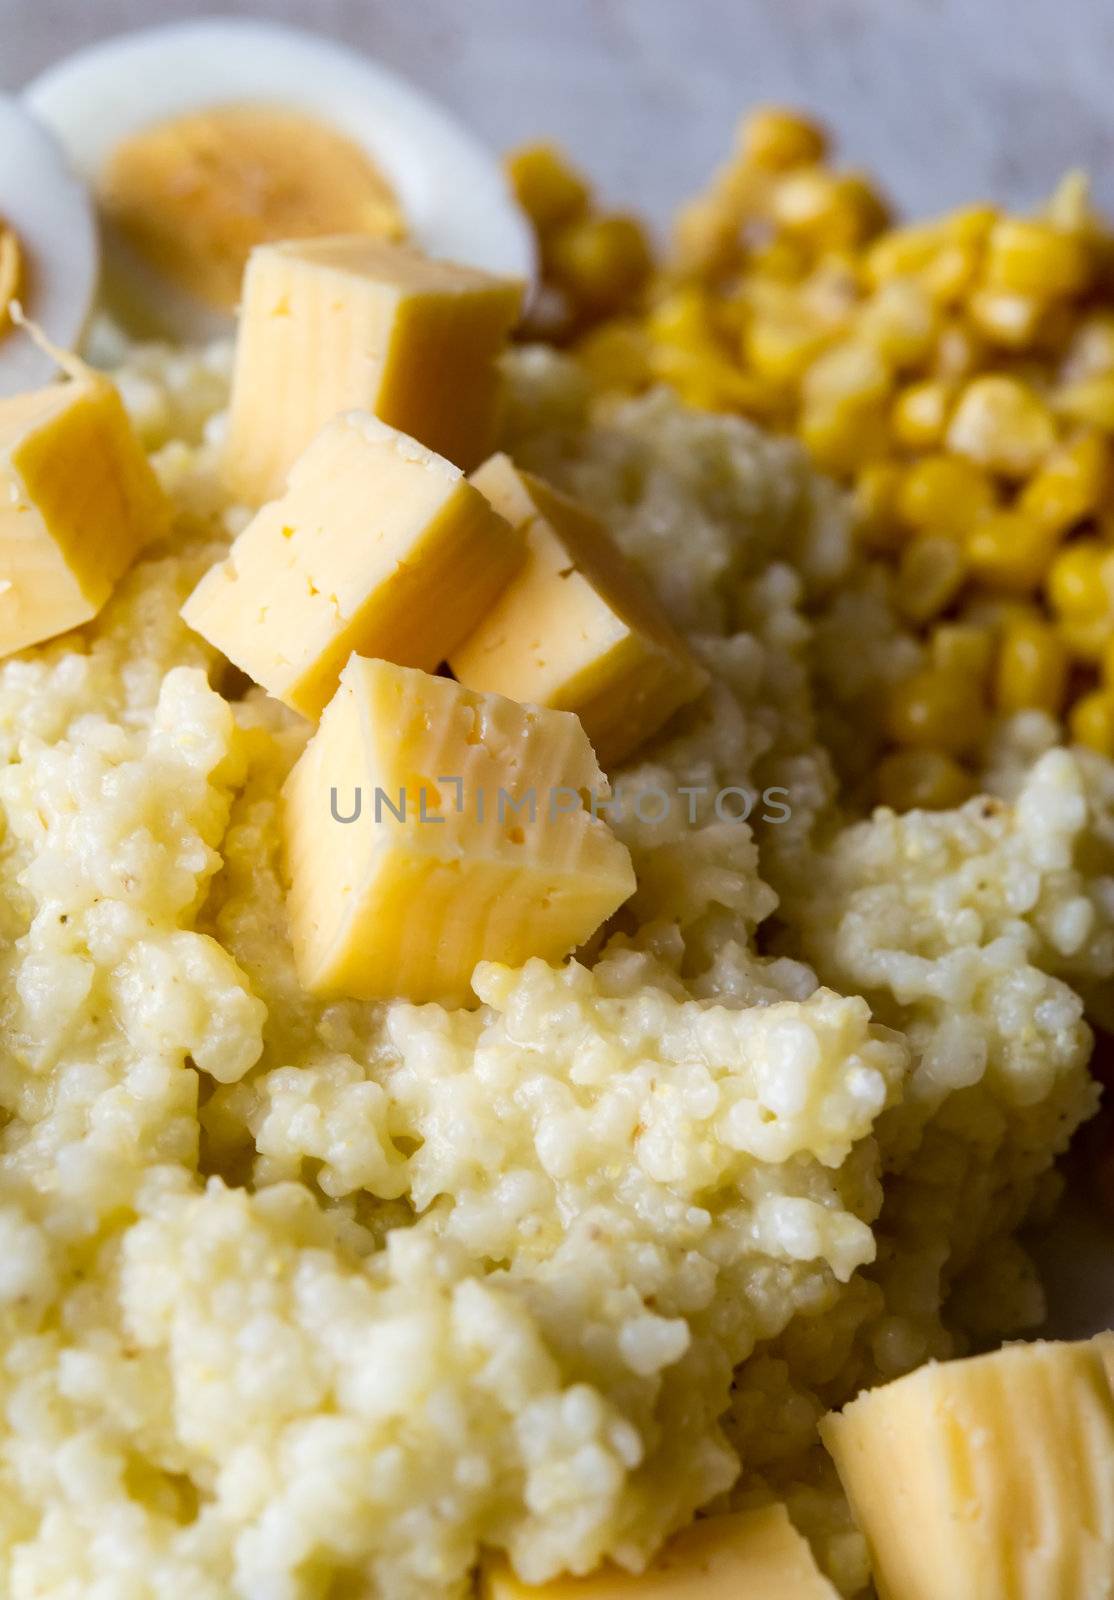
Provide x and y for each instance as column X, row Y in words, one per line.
column 77, row 500
column 991, row 1477
column 437, row 872
column 578, row 628
column 378, row 546
column 349, row 323
column 749, row 1555
column 1104, row 1343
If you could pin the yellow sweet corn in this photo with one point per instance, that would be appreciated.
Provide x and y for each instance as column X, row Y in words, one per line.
column 1010, row 551
column 779, row 139
column 875, row 502
column 781, row 348
column 832, row 211
column 1072, row 484
column 545, row 186
column 617, row 355
column 1006, row 318
column 1091, row 721
column 1035, row 258
column 937, row 710
column 602, row 262
column 1090, row 401
column 927, row 780
column 963, row 647
column 956, row 374
column 844, row 435
column 930, row 574
column 900, row 322
column 920, row 413
column 945, row 494
column 1003, row 425
column 1031, row 669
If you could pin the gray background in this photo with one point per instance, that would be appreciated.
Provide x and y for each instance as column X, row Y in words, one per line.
column 949, row 99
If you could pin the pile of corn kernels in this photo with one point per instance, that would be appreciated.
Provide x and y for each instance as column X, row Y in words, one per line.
column 957, row 375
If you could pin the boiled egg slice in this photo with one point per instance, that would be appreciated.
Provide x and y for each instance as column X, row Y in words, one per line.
column 203, row 139
column 48, row 248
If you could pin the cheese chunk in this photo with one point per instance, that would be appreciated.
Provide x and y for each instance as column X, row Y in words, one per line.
column 470, row 839
column 577, row 629
column 1104, row 1344
column 750, row 1555
column 77, row 500
column 378, row 546
column 350, row 323
column 987, row 1477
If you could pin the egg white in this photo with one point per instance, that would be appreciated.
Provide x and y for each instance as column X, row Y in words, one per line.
column 452, row 191
column 53, row 217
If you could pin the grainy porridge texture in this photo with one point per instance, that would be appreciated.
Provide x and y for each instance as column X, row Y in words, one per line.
column 301, row 1301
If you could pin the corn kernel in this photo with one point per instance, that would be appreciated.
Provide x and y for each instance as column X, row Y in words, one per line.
column 962, row 647
column 920, row 413
column 945, row 494
column 1031, row 671
column 705, row 238
column 546, row 187
column 1106, row 662
column 923, row 780
column 602, row 261
column 1091, row 353
column 780, row 348
column 900, row 321
column 937, row 710
column 1080, row 589
column 875, row 502
column 1071, row 485
column 842, row 436
column 779, row 259
column 902, row 252
column 776, row 138
column 831, row 211
column 1010, row 551
column 1002, row 424
column 1091, row 401
column 960, row 351
column 1091, row 721
column 1006, row 318
column 1075, row 580
column 930, row 574
column 1036, row 258
column 682, row 317
column 1069, row 205
column 706, row 379
column 849, row 371
column 616, row 355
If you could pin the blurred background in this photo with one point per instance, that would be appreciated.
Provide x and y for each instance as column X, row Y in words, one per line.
column 948, row 100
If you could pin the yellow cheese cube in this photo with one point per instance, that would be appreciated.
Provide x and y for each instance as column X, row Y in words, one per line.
column 577, row 629
column 378, row 546
column 77, row 500
column 351, row 323
column 464, row 835
column 749, row 1555
column 987, row 1477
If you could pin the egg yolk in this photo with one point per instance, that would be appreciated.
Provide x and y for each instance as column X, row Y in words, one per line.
column 11, row 273
column 194, row 195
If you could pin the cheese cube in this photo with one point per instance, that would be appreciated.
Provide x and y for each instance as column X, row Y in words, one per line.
column 577, row 629
column 378, row 546
column 755, row 1554
column 351, row 323
column 77, row 500
column 467, row 838
column 992, row 1476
